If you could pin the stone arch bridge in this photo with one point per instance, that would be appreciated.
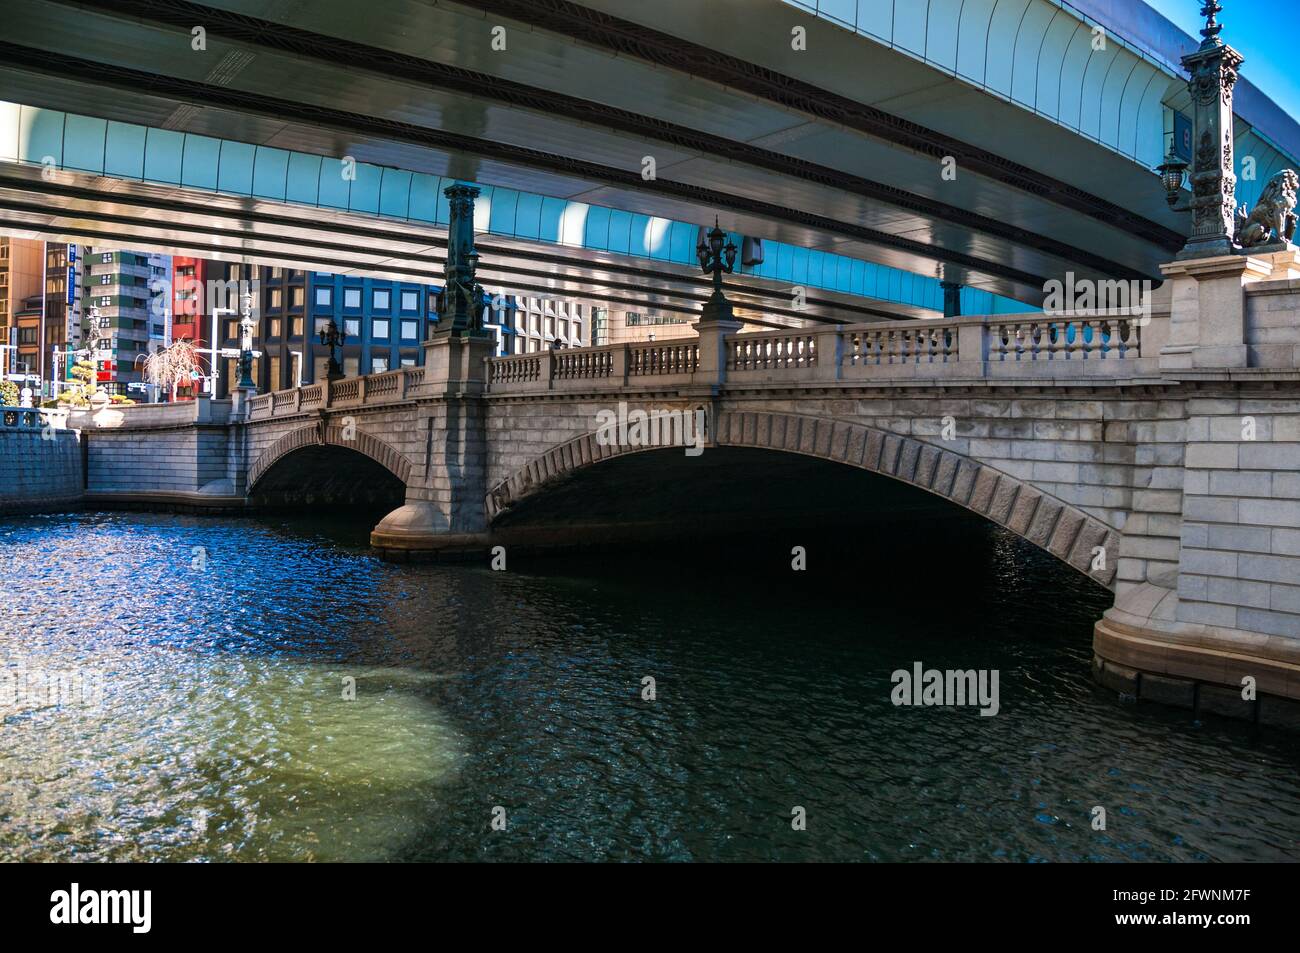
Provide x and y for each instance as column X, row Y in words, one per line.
column 1159, row 455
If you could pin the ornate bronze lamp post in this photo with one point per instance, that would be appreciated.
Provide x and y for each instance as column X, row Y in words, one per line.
column 1212, row 71
column 331, row 337
column 717, row 258
column 1218, row 226
column 246, row 343
column 462, row 300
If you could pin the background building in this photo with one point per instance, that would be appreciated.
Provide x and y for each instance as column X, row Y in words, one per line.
column 129, row 289
column 529, row 324
column 385, row 321
column 21, row 274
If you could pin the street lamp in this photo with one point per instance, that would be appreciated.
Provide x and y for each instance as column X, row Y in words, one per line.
column 717, row 254
column 246, row 343
column 331, row 337
column 1172, row 172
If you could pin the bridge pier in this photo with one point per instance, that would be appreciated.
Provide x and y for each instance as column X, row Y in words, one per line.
column 443, row 515
column 1220, row 629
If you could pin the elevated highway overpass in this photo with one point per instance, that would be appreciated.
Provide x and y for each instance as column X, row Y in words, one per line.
column 833, row 143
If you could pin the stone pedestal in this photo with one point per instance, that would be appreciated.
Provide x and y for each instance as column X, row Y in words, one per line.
column 713, row 333
column 1207, row 320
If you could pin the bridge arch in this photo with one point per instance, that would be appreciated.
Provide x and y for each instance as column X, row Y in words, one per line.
column 326, row 434
column 1057, row 527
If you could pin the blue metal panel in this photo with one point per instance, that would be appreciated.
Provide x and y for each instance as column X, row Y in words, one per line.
column 973, row 39
column 1098, row 69
column 681, row 242
column 528, row 218
column 302, row 175
column 332, row 187
column 364, row 196
column 424, row 197
column 1029, row 38
column 909, row 26
column 502, row 220
column 84, row 143
column 162, row 156
column 40, row 135
column 941, row 31
column 235, row 173
column 124, row 150
column 1002, row 37
column 876, row 17
column 844, row 12
column 200, row 156
column 394, row 192
column 269, row 173
column 637, row 244
column 552, row 219
column 597, row 231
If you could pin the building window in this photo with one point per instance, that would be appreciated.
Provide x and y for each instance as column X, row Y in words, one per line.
column 352, row 298
column 295, row 327
column 351, row 366
column 295, row 297
column 352, row 327
column 275, row 328
column 380, row 327
column 378, row 365
column 410, row 301
column 322, row 324
column 410, row 330
column 408, row 362
column 275, row 298
column 380, row 301
column 433, row 302
column 324, row 297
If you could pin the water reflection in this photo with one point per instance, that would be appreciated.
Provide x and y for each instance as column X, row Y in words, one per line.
column 227, row 650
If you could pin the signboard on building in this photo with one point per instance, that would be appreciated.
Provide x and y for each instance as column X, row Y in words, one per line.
column 1182, row 137
column 72, row 273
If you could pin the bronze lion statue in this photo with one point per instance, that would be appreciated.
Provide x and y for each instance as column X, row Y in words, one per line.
column 1273, row 213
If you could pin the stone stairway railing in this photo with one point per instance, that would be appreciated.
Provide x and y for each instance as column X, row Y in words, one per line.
column 977, row 347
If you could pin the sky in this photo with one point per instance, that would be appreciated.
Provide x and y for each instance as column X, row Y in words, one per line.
column 1263, row 31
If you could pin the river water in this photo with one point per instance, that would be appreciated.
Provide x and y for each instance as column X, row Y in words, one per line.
column 208, row 668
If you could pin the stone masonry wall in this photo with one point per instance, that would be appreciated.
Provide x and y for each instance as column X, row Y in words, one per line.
column 39, row 473
column 173, row 460
column 1241, row 516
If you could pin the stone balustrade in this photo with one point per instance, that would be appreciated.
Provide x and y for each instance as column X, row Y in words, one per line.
column 969, row 348
column 406, row 383
column 20, row 418
column 1033, row 346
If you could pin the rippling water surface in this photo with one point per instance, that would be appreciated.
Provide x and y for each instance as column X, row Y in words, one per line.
column 225, row 652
